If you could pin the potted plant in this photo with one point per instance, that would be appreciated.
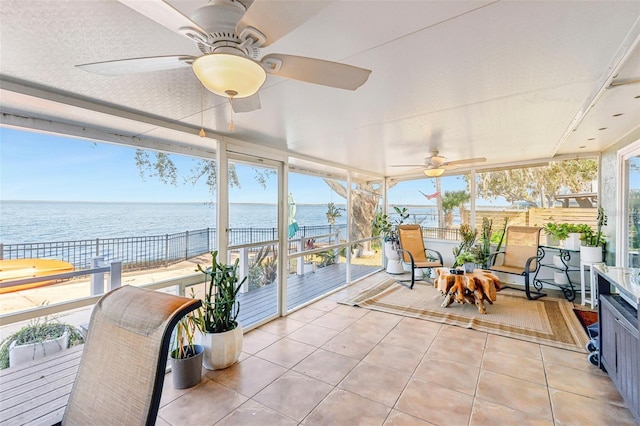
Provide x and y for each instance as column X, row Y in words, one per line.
column 566, row 234
column 185, row 355
column 218, row 329
column 592, row 249
column 39, row 338
column 389, row 232
column 467, row 259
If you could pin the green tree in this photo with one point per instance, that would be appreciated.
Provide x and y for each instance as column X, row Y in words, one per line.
column 450, row 201
column 538, row 185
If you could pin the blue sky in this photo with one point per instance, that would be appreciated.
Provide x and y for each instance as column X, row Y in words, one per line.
column 38, row 166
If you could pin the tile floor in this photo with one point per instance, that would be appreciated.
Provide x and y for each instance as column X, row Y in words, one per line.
column 331, row 364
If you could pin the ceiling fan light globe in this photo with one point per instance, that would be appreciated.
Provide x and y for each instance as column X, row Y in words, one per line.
column 221, row 73
column 434, row 172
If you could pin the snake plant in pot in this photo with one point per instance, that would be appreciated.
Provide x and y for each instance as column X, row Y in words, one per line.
column 219, row 331
column 592, row 249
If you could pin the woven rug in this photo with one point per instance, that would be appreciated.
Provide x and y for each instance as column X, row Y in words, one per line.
column 547, row 321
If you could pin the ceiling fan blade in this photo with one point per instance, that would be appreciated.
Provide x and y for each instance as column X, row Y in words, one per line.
column 136, row 65
column 465, row 161
column 167, row 16
column 276, row 19
column 248, row 104
column 408, row 165
column 316, row 71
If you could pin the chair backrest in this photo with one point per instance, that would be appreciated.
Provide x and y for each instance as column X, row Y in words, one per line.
column 411, row 240
column 522, row 243
column 123, row 363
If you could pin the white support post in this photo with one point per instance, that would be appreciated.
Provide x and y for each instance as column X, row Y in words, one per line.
column 300, row 260
column 97, row 280
column 115, row 276
column 243, row 268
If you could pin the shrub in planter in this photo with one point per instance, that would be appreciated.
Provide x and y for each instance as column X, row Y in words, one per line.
column 40, row 337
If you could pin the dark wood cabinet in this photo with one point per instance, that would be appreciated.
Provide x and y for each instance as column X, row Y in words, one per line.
column 619, row 324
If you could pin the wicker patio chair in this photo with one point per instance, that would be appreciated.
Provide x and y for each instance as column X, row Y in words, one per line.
column 123, row 363
column 520, row 256
column 414, row 252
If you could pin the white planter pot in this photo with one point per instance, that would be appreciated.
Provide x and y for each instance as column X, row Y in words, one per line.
column 560, row 278
column 21, row 354
column 394, row 265
column 557, row 261
column 590, row 254
column 552, row 241
column 308, row 267
column 572, row 242
column 221, row 350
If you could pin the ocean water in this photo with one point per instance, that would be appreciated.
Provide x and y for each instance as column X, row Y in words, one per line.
column 45, row 221
column 49, row 221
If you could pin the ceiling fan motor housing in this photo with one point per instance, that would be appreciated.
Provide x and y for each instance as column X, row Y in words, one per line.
column 219, row 19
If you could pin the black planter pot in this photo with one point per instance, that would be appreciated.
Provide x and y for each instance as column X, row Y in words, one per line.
column 187, row 372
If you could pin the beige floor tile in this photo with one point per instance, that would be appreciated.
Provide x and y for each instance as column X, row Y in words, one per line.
column 369, row 330
column 204, row 405
column 350, row 311
column 293, row 395
column 382, row 318
column 169, row 393
column 282, row 326
column 327, row 366
column 515, row 366
column 460, row 333
column 324, row 305
column 256, row 340
column 486, row 413
column 410, row 339
column 583, row 383
column 249, row 376
column 398, row 418
column 572, row 409
column 349, row 345
column 313, row 335
column 306, row 314
column 252, row 413
column 521, row 395
column 419, row 325
column 435, row 404
column 513, row 346
column 333, row 321
column 457, row 349
column 571, row 359
column 448, row 374
column 379, row 384
column 394, row 357
column 161, row 422
column 286, row 352
column 345, row 408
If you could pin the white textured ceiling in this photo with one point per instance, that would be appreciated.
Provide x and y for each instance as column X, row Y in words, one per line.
column 509, row 81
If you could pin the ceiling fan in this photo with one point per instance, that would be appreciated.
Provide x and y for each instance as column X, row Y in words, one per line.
column 229, row 34
column 435, row 165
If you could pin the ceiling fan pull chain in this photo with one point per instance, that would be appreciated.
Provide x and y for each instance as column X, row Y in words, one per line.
column 232, row 126
column 202, row 134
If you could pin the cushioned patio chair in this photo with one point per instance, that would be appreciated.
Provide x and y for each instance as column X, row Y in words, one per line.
column 520, row 256
column 123, row 363
column 414, row 252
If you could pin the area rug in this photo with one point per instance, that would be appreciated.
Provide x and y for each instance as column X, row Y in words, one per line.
column 586, row 318
column 547, row 321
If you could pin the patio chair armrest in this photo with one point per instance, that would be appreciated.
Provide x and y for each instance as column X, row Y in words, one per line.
column 492, row 257
column 410, row 256
column 436, row 254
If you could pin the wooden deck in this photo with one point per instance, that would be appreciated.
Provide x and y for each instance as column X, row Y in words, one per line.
column 261, row 303
column 37, row 393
